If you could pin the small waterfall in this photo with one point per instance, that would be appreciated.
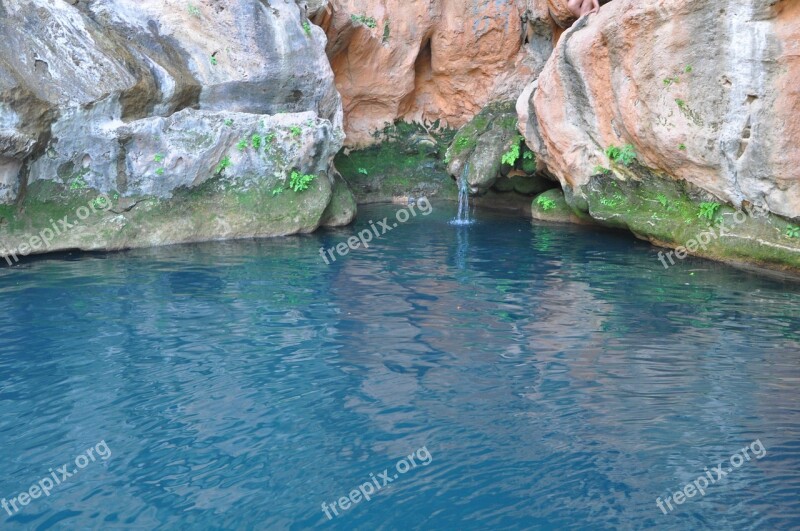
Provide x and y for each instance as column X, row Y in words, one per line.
column 463, row 217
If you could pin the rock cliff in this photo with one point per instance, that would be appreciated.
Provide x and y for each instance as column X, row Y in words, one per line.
column 696, row 97
column 150, row 102
column 428, row 60
column 173, row 121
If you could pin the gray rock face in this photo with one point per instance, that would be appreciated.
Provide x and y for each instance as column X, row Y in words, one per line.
column 142, row 99
column 154, row 156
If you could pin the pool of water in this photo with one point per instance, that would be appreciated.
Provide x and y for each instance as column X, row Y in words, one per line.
column 538, row 376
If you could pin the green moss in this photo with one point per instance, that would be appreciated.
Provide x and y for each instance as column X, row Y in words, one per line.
column 671, row 213
column 393, row 168
column 552, row 206
column 464, row 142
column 509, row 123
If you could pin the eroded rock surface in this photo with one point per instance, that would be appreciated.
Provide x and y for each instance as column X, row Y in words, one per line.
column 702, row 92
column 422, row 61
column 141, row 99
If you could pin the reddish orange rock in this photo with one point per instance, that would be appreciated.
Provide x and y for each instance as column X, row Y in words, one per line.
column 704, row 91
column 431, row 60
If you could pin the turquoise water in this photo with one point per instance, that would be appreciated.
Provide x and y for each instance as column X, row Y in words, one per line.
column 542, row 377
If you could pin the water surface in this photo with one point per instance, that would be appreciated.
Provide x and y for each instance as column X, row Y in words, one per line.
column 558, row 376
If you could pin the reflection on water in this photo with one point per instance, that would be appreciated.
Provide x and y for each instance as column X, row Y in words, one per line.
column 462, row 247
column 560, row 378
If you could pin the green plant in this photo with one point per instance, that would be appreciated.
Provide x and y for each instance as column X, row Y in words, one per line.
column 688, row 69
column 682, row 147
column 613, row 152
column 708, row 210
column 386, row 31
column 363, row 171
column 670, row 80
column 299, row 182
column 462, row 142
column 223, row 164
column 193, row 10
column 511, row 156
column 628, row 155
column 278, row 190
column 546, row 203
column 529, row 155
column 793, row 231
column 228, row 122
column 242, row 144
column 307, row 27
column 213, row 60
column 296, row 130
column 158, row 157
column 256, row 141
column 612, row 202
column 78, row 183
column 160, row 171
column 681, row 104
column 100, row 203
column 624, row 155
column 365, row 20
column 661, row 198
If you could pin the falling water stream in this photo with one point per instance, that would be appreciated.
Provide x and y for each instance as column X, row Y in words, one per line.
column 463, row 217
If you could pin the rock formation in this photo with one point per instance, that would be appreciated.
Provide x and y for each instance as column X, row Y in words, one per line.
column 179, row 121
column 142, row 99
column 422, row 61
column 701, row 92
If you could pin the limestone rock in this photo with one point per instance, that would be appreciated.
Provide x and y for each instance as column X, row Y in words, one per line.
column 431, row 60
column 478, row 147
column 700, row 90
column 342, row 209
column 155, row 102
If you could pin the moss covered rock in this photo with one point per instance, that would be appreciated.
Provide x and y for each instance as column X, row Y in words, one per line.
column 406, row 163
column 552, row 206
column 342, row 209
column 678, row 215
column 479, row 147
column 193, row 177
